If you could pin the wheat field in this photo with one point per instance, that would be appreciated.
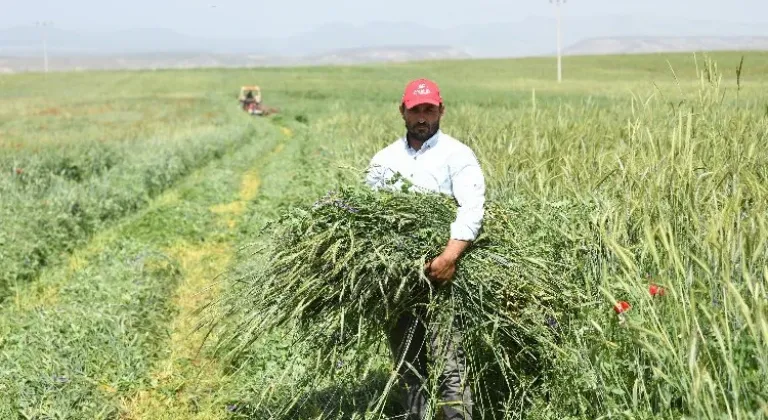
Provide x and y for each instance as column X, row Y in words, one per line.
column 126, row 195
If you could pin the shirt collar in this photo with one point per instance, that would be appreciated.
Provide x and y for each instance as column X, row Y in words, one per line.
column 424, row 147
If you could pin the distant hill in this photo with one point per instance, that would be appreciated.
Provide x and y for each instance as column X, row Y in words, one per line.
column 197, row 60
column 637, row 45
column 530, row 36
column 385, row 54
column 523, row 37
column 27, row 41
column 343, row 43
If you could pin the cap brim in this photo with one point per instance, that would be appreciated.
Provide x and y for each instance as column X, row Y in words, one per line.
column 416, row 102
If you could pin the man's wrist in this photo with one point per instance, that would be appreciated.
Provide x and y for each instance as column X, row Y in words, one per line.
column 454, row 250
column 450, row 256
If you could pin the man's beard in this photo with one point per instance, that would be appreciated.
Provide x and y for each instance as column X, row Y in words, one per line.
column 422, row 136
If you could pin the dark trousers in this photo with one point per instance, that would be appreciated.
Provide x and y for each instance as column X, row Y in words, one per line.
column 419, row 350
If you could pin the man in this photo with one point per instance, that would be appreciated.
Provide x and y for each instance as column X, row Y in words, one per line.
column 436, row 162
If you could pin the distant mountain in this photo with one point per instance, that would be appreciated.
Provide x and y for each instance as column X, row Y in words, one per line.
column 27, row 41
column 524, row 37
column 378, row 41
column 343, row 36
column 197, row 60
column 385, row 54
column 635, row 45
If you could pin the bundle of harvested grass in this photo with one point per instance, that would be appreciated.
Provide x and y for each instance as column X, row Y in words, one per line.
column 339, row 272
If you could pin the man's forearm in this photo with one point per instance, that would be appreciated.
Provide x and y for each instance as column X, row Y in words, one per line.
column 455, row 249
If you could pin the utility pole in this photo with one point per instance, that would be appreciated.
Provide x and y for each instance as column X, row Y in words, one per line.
column 43, row 25
column 557, row 4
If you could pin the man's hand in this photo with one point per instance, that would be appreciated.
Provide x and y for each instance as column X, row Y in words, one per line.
column 441, row 269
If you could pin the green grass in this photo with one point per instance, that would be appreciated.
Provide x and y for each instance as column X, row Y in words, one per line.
column 670, row 147
column 88, row 150
column 89, row 334
column 57, row 205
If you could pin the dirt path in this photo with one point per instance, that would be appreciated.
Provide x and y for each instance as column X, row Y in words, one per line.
column 187, row 385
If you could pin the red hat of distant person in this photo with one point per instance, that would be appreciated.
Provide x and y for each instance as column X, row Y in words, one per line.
column 421, row 91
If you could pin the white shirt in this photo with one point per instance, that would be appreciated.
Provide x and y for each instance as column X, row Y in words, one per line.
column 443, row 165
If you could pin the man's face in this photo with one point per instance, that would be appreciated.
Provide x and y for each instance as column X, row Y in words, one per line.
column 422, row 121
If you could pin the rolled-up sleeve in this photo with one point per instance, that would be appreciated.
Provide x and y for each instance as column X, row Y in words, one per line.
column 469, row 191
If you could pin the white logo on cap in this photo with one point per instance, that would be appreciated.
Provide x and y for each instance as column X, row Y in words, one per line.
column 422, row 90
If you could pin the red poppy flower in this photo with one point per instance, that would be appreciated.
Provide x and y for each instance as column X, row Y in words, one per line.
column 621, row 307
column 655, row 290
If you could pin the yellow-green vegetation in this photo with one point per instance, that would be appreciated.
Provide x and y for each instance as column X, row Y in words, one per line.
column 126, row 194
column 81, row 152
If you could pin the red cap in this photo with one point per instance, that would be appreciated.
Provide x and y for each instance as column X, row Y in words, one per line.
column 421, row 91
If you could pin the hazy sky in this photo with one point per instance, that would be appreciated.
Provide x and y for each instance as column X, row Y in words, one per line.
column 260, row 18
